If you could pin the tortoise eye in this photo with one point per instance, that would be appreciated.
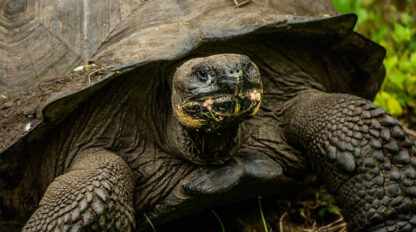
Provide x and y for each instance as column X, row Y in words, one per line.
column 204, row 76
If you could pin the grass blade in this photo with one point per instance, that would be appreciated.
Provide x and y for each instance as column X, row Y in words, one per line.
column 262, row 216
column 150, row 222
column 219, row 220
column 244, row 225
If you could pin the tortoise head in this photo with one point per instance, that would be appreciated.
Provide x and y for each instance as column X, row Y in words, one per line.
column 211, row 96
column 218, row 92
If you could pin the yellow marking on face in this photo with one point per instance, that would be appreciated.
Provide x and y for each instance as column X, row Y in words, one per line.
column 256, row 109
column 188, row 120
column 237, row 107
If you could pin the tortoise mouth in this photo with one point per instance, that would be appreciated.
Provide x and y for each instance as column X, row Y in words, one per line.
column 214, row 112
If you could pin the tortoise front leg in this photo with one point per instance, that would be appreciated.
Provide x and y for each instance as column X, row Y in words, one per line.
column 96, row 194
column 363, row 155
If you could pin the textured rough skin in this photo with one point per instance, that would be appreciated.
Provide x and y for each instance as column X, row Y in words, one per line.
column 130, row 115
column 363, row 155
column 95, row 194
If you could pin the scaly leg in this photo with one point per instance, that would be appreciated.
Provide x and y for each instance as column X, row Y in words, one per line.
column 96, row 194
column 363, row 155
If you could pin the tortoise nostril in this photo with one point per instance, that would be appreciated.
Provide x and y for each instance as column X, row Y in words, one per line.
column 235, row 72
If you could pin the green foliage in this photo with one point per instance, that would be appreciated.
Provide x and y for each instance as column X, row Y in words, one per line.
column 391, row 24
column 326, row 203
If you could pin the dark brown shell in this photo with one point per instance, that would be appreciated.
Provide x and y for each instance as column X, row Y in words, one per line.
column 41, row 41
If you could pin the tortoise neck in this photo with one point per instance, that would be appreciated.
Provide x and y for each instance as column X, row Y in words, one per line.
column 206, row 148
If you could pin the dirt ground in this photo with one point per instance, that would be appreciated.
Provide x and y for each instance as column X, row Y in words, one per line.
column 20, row 113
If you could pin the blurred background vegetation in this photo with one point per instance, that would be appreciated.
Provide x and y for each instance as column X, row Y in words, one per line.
column 391, row 23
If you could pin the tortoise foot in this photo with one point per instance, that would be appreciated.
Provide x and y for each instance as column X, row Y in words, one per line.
column 365, row 157
column 96, row 194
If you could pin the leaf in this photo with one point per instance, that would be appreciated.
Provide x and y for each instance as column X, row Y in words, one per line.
column 401, row 33
column 380, row 102
column 390, row 62
column 394, row 107
column 412, row 62
column 411, row 87
column 334, row 210
column 381, row 34
column 388, row 46
column 322, row 212
column 82, row 68
column 344, row 6
column 397, row 78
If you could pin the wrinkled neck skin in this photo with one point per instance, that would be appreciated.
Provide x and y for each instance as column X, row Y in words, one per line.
column 203, row 148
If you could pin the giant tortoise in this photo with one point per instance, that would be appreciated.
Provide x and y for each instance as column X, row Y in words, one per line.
column 194, row 103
